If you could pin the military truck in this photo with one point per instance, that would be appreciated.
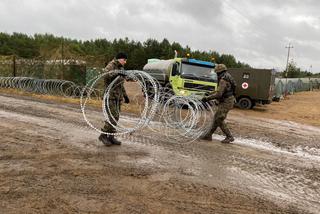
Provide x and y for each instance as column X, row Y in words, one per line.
column 184, row 76
column 253, row 86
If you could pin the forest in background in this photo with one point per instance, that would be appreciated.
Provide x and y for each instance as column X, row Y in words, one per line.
column 99, row 51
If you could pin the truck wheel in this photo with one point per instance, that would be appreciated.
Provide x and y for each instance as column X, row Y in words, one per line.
column 245, row 103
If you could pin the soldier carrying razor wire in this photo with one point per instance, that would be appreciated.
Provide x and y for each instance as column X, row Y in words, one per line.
column 225, row 99
column 116, row 97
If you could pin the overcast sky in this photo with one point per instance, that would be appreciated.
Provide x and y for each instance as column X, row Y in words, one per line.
column 254, row 31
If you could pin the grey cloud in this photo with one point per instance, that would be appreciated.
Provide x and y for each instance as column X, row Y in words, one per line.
column 205, row 11
column 254, row 31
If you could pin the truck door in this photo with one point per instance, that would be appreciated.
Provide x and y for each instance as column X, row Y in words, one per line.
column 175, row 80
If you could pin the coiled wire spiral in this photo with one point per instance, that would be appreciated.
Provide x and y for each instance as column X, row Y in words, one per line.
column 174, row 118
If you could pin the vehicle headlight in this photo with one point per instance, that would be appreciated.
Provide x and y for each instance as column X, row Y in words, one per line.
column 183, row 92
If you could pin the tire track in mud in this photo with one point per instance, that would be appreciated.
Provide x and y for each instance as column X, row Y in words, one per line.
column 267, row 174
column 281, row 178
column 294, row 183
column 285, row 134
column 38, row 187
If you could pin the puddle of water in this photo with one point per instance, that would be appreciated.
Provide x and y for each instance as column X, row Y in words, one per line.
column 295, row 125
column 300, row 152
column 281, row 193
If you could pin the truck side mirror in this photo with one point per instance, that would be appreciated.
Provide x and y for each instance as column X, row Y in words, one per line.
column 175, row 69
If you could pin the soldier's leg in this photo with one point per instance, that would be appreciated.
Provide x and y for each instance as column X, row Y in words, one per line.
column 113, row 116
column 219, row 122
column 228, row 105
column 220, row 117
column 214, row 126
column 224, row 128
column 115, row 110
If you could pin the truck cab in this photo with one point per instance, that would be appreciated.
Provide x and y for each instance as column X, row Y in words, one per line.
column 185, row 76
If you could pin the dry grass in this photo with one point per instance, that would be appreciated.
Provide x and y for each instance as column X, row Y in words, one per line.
column 133, row 107
column 40, row 96
column 302, row 107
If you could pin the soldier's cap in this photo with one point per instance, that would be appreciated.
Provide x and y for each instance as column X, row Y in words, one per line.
column 220, row 67
column 121, row 55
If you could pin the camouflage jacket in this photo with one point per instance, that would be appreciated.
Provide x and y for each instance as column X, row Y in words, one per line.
column 118, row 91
column 224, row 88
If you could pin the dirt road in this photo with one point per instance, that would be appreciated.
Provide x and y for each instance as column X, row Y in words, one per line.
column 50, row 162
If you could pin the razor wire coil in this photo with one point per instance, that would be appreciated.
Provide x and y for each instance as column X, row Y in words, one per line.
column 44, row 86
column 177, row 118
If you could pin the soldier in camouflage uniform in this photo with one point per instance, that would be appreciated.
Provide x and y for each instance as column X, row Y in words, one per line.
column 117, row 95
column 226, row 99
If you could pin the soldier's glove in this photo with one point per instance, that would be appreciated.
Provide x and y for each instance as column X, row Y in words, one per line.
column 215, row 102
column 130, row 79
column 205, row 99
column 122, row 74
column 126, row 99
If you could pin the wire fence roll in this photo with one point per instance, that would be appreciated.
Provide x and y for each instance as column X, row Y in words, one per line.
column 284, row 86
column 44, row 86
column 174, row 118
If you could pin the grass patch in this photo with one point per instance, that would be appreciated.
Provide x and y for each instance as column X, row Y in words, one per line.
column 133, row 107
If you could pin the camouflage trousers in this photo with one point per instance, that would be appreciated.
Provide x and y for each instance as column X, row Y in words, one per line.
column 220, row 115
column 113, row 114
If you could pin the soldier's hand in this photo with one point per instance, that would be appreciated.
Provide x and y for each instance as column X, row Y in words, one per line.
column 215, row 101
column 205, row 99
column 130, row 79
column 122, row 74
column 126, row 99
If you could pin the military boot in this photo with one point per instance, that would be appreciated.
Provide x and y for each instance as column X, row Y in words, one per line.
column 228, row 139
column 113, row 140
column 208, row 136
column 104, row 139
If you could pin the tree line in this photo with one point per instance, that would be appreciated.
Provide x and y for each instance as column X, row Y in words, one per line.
column 293, row 71
column 99, row 51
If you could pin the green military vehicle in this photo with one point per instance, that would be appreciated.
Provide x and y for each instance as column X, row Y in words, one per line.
column 184, row 76
column 253, row 86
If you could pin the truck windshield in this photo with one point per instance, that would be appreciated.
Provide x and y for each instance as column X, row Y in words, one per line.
column 198, row 72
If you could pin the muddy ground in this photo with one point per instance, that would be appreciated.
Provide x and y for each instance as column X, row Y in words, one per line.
column 50, row 162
